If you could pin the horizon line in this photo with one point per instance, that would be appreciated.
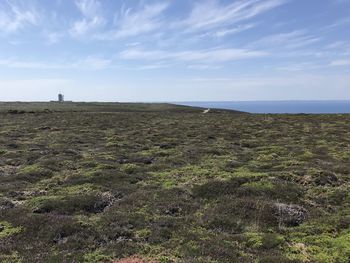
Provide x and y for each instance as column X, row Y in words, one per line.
column 177, row 101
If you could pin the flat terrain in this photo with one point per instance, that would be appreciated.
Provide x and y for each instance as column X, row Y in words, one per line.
column 94, row 182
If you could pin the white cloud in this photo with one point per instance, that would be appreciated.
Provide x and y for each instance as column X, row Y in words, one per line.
column 92, row 19
column 151, row 66
column 213, row 55
column 88, row 63
column 341, row 22
column 203, row 67
column 14, row 18
column 133, row 44
column 290, row 40
column 341, row 48
column 54, row 37
column 225, row 32
column 340, row 62
column 301, row 66
column 132, row 22
column 93, row 63
column 210, row 14
column 85, row 25
column 228, row 31
column 337, row 45
column 88, row 8
column 220, row 55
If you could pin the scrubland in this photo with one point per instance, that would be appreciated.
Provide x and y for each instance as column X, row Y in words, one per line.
column 96, row 182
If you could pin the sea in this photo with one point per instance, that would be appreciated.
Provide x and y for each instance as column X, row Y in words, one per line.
column 282, row 107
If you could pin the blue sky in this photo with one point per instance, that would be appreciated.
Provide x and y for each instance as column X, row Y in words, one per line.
column 175, row 50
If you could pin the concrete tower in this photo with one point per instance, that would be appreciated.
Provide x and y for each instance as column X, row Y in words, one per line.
column 60, row 98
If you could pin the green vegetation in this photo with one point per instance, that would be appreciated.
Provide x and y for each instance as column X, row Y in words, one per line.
column 6, row 229
column 101, row 182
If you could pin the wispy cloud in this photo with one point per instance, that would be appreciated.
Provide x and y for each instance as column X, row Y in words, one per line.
column 341, row 22
column 93, row 62
column 54, row 37
column 210, row 14
column 88, row 63
column 289, row 40
column 337, row 45
column 303, row 66
column 16, row 17
column 203, row 66
column 228, row 31
column 340, row 62
column 149, row 66
column 212, row 55
column 92, row 19
column 340, row 48
column 132, row 22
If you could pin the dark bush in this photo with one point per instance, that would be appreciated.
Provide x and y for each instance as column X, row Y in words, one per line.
column 212, row 248
column 326, row 178
column 280, row 190
column 215, row 189
column 89, row 203
column 231, row 214
column 271, row 240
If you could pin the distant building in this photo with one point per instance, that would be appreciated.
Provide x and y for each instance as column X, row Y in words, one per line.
column 60, row 98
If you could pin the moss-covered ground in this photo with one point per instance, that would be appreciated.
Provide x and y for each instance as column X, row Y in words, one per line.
column 99, row 182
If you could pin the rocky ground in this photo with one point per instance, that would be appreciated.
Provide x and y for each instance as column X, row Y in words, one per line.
column 159, row 183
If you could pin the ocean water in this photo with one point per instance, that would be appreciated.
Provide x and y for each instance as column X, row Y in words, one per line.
column 291, row 107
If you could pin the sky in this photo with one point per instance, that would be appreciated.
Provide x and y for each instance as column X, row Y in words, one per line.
column 174, row 50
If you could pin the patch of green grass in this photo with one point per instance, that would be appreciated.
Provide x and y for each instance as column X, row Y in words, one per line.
column 33, row 173
column 264, row 240
column 187, row 175
column 245, row 172
column 76, row 189
column 6, row 229
column 11, row 258
column 129, row 168
column 254, row 240
column 260, row 185
column 97, row 256
column 322, row 248
column 322, row 241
